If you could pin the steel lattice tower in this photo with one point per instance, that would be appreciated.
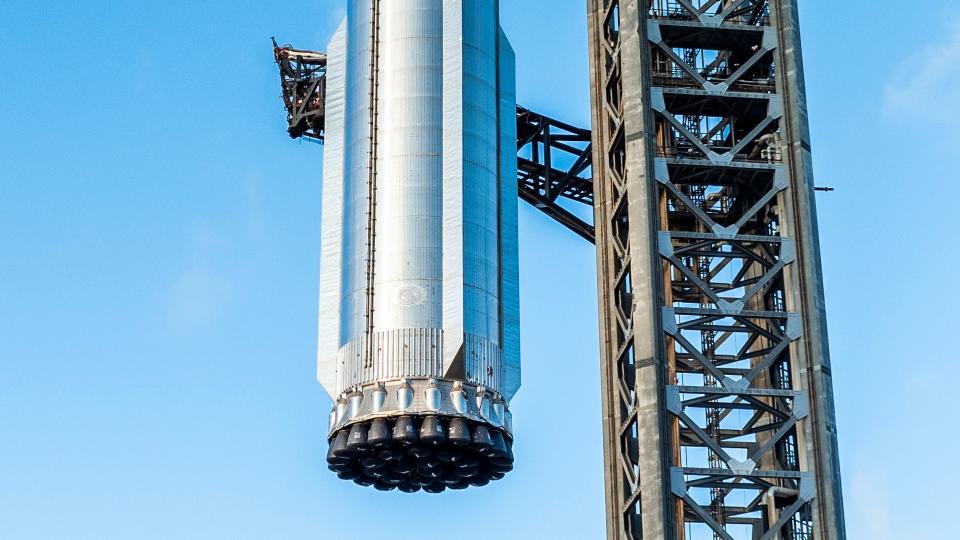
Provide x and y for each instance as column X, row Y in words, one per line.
column 718, row 405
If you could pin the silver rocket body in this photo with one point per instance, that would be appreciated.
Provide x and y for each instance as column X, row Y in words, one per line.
column 419, row 315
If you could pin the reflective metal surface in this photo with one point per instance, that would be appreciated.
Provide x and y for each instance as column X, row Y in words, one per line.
column 408, row 270
column 356, row 172
column 331, row 256
column 419, row 315
column 420, row 397
column 509, row 248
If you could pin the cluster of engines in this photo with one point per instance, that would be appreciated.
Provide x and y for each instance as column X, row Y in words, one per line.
column 429, row 453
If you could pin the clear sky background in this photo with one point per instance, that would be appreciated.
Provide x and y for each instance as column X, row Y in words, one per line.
column 159, row 248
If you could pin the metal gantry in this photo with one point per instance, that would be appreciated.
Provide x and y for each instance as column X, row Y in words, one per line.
column 718, row 417
column 554, row 162
column 303, row 84
column 717, row 399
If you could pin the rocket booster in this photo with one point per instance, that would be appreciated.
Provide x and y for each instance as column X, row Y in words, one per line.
column 419, row 316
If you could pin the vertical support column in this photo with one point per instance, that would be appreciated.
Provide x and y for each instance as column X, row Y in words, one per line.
column 632, row 367
column 818, row 376
column 604, row 43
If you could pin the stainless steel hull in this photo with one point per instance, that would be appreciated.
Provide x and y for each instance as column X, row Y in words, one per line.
column 419, row 306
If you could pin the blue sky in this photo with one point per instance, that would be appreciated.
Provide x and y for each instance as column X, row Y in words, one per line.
column 159, row 247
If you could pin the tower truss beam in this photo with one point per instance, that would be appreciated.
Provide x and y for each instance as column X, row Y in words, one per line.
column 554, row 164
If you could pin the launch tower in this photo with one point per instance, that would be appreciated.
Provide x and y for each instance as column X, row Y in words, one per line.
column 717, row 392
